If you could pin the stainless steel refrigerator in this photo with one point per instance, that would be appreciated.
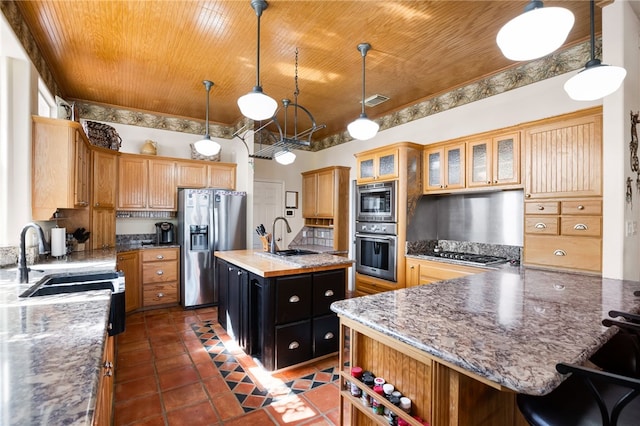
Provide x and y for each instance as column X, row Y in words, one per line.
column 208, row 220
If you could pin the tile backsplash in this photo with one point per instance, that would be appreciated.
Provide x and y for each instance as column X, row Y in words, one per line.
column 314, row 236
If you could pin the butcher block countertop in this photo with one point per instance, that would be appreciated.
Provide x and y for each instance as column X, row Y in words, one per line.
column 510, row 326
column 270, row 265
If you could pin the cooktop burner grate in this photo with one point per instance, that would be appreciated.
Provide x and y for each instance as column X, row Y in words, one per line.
column 468, row 257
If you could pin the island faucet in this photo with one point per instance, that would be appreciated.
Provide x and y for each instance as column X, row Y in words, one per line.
column 272, row 246
column 43, row 248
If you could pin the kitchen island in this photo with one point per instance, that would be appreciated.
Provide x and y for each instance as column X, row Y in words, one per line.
column 462, row 349
column 277, row 307
column 52, row 347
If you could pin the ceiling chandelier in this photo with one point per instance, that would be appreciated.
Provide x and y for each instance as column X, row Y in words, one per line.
column 596, row 80
column 363, row 128
column 536, row 32
column 279, row 144
column 206, row 146
column 256, row 105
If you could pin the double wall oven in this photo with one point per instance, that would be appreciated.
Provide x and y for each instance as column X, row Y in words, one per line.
column 376, row 230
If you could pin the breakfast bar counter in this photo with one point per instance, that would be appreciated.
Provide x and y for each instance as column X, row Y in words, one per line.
column 472, row 343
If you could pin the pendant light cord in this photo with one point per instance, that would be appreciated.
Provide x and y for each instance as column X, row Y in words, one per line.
column 593, row 31
column 207, row 85
column 364, row 57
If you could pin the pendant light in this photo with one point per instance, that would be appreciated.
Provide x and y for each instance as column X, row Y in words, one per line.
column 206, row 146
column 284, row 157
column 596, row 80
column 363, row 128
column 255, row 104
column 536, row 32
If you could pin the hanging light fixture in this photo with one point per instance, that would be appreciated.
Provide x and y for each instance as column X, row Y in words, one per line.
column 255, row 104
column 284, row 156
column 362, row 128
column 596, row 80
column 536, row 32
column 206, row 146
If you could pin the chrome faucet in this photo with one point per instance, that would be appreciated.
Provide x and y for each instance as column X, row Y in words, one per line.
column 43, row 247
column 272, row 246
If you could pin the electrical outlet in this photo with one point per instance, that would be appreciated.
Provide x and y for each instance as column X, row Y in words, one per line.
column 628, row 228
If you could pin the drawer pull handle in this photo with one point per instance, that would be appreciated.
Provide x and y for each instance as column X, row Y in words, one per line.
column 540, row 207
column 328, row 336
column 294, row 345
column 294, row 299
column 160, row 257
column 328, row 293
column 160, row 295
column 560, row 253
column 108, row 364
column 108, row 373
column 159, row 272
column 540, row 225
column 580, row 207
column 580, row 227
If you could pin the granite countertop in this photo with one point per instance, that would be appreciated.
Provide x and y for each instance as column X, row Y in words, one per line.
column 268, row 265
column 511, row 326
column 51, row 346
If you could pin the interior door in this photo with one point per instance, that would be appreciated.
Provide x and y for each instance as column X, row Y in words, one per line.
column 267, row 205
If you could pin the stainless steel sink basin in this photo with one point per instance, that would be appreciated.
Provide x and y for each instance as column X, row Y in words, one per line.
column 294, row 252
column 71, row 283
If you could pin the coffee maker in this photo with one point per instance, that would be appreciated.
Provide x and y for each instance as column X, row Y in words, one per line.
column 165, row 233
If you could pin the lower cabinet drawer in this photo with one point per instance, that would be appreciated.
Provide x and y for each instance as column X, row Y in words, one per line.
column 585, row 226
column 293, row 344
column 160, row 294
column 564, row 252
column 158, row 272
column 325, row 335
column 293, row 298
column 328, row 287
column 547, row 225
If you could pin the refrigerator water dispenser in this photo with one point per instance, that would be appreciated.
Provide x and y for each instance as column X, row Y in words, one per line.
column 199, row 237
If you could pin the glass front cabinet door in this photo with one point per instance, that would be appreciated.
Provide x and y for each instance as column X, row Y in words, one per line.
column 382, row 165
column 444, row 168
column 494, row 161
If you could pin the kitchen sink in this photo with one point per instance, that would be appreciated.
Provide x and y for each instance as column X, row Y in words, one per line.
column 71, row 283
column 294, row 252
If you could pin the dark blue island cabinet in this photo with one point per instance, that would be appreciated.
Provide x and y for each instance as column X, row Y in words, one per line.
column 281, row 321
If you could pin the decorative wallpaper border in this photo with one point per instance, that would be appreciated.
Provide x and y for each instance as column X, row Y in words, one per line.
column 561, row 62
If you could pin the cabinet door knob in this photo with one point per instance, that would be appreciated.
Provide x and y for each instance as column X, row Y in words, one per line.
column 560, row 253
column 160, row 295
column 160, row 257
column 294, row 345
column 412, row 267
column 495, row 181
column 580, row 207
column 159, row 272
column 294, row 299
column 580, row 227
column 328, row 336
column 527, row 195
column 108, row 373
column 540, row 225
column 328, row 293
column 488, row 182
column 239, row 272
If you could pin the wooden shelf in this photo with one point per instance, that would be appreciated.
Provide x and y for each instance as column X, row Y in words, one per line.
column 319, row 223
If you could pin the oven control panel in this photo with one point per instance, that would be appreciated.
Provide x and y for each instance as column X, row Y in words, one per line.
column 376, row 228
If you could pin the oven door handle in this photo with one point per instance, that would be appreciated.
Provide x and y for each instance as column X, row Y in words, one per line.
column 376, row 236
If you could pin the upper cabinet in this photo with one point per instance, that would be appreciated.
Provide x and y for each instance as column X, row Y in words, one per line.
column 444, row 167
column 494, row 161
column 61, row 167
column 146, row 183
column 200, row 174
column 105, row 177
column 377, row 165
column 563, row 156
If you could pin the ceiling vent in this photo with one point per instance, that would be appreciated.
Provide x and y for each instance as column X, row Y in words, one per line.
column 374, row 100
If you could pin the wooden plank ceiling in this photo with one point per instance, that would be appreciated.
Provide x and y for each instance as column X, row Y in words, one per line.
column 153, row 55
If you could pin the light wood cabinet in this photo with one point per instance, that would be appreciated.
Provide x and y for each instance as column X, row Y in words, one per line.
column 146, row 183
column 422, row 271
column 366, row 284
column 105, row 178
column 377, row 165
column 129, row 263
column 160, row 275
column 221, row 175
column 325, row 202
column 494, row 161
column 103, row 415
column 60, row 167
column 563, row 156
column 103, row 228
column 444, row 168
column 201, row 174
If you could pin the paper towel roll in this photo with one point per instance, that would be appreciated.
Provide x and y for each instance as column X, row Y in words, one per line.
column 58, row 242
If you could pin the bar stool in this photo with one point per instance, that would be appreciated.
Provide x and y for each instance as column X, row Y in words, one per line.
column 621, row 354
column 587, row 397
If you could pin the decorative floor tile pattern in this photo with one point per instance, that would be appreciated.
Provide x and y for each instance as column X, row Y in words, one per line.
column 253, row 394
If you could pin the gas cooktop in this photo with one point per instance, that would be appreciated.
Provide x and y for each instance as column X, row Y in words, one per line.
column 480, row 259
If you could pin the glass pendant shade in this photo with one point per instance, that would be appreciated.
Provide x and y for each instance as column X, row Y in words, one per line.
column 535, row 33
column 362, row 128
column 595, row 81
column 285, row 157
column 206, row 146
column 256, row 105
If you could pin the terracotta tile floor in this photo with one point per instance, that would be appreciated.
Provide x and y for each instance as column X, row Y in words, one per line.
column 179, row 367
